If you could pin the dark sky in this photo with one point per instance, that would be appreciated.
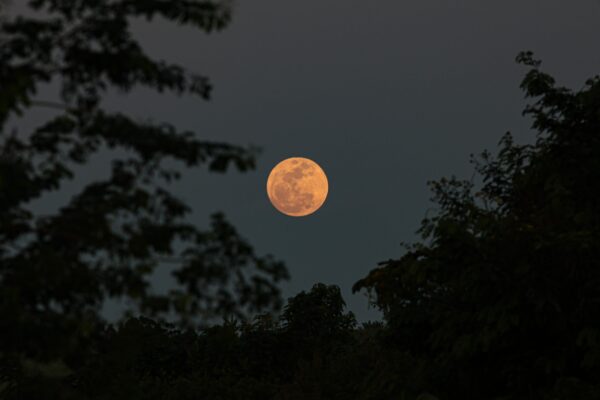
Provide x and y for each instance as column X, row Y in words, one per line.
column 384, row 95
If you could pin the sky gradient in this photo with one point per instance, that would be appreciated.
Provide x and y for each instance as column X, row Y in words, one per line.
column 383, row 95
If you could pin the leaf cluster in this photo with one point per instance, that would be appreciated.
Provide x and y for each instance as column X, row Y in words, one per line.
column 107, row 242
column 501, row 298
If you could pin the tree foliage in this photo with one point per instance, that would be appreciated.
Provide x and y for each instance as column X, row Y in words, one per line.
column 143, row 359
column 58, row 270
column 501, row 298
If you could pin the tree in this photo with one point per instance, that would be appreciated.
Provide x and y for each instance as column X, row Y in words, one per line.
column 501, row 299
column 56, row 271
column 318, row 314
column 250, row 360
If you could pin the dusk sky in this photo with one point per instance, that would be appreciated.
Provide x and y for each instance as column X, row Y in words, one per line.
column 383, row 95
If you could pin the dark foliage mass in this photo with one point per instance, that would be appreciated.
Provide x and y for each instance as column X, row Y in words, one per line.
column 57, row 270
column 502, row 298
column 499, row 300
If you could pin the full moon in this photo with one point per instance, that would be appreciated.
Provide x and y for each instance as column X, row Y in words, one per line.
column 297, row 186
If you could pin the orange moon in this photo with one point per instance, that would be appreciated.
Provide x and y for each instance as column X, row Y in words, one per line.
column 297, row 186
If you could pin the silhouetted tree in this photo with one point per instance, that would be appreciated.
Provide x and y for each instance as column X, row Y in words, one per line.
column 502, row 298
column 56, row 271
column 143, row 359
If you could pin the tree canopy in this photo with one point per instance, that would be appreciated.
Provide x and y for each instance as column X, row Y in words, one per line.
column 57, row 270
column 501, row 299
